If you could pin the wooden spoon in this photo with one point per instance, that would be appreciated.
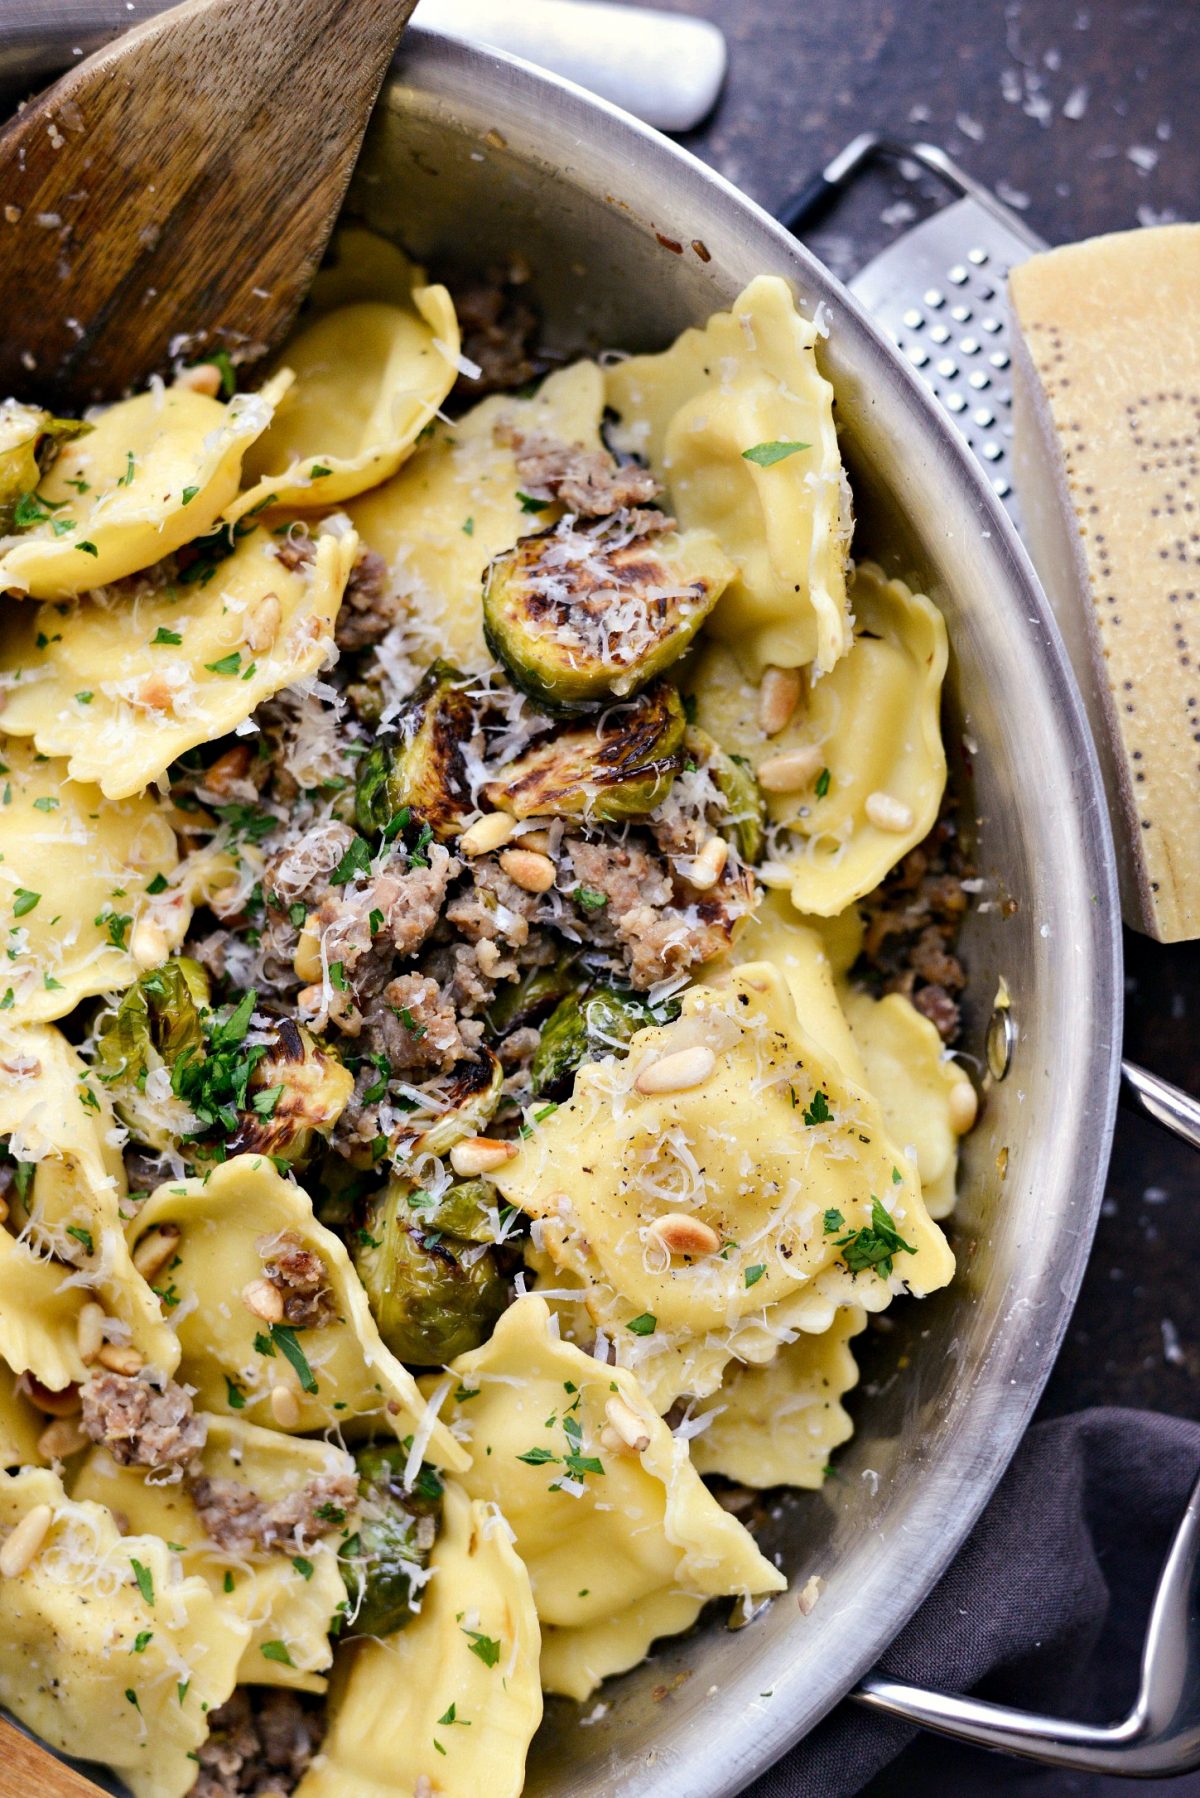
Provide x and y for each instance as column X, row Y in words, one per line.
column 173, row 193
column 25, row 1768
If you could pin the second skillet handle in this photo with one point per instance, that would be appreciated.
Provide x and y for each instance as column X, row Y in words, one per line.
column 1161, row 1734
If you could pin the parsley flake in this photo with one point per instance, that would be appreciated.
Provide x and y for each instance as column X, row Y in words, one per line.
column 765, row 455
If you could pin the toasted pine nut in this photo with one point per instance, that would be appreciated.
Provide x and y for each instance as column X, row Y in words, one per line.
column 24, row 1540
column 963, row 1106
column 490, row 832
column 203, row 377
column 532, row 872
column 709, row 864
column 154, row 695
column 263, row 1299
column 675, row 1073
column 148, row 944
column 155, row 1249
column 778, row 696
column 3, row 1211
column 480, row 1154
column 886, row 813
column 65, row 1436
column 809, row 1593
column 89, row 1330
column 790, row 771
column 535, row 839
column 262, row 624
column 285, row 1407
column 121, row 1357
column 64, row 1403
column 681, row 1234
column 306, row 962
column 627, row 1425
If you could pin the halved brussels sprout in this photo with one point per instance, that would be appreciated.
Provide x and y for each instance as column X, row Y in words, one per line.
column 585, row 1026
column 739, row 789
column 157, row 1021
column 432, row 1296
column 538, row 991
column 467, row 1209
column 620, row 767
column 418, row 763
column 580, row 613
column 469, row 1095
column 397, row 1528
column 29, row 440
column 297, row 1093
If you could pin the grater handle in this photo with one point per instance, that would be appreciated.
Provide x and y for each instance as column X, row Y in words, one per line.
column 1161, row 1734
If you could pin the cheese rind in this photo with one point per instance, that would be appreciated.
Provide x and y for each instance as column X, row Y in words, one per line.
column 1106, row 416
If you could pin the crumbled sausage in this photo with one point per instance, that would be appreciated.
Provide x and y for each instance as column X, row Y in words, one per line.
column 590, row 483
column 912, row 925
column 399, row 907
column 306, row 865
column 236, row 1519
column 498, row 327
column 656, row 936
column 369, row 604
column 415, row 1027
column 295, row 552
column 493, row 908
column 141, row 1423
column 301, row 1279
column 261, row 1742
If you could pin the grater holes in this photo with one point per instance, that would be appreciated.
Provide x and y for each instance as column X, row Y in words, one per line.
column 938, row 334
column 990, row 325
column 979, row 380
column 961, row 314
column 913, row 319
column 977, row 256
column 918, row 355
column 955, row 402
column 968, row 346
column 934, row 298
column 958, row 276
column 947, row 368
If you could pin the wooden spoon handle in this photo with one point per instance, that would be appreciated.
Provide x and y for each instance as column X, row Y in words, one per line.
column 176, row 190
column 26, row 1768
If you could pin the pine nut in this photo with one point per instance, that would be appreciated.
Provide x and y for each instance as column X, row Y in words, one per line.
column 626, row 1425
column 3, row 1211
column 886, row 813
column 535, row 839
column 24, row 1541
column 490, row 832
column 532, row 872
column 962, row 1106
column 306, row 962
column 480, row 1154
column 675, row 1073
column 790, row 771
column 264, row 1300
column 148, row 944
column 89, row 1330
column 709, row 864
column 64, row 1403
column 204, row 377
column 155, row 1249
column 262, row 625
column 121, row 1357
column 65, row 1436
column 778, row 696
column 809, row 1594
column 285, row 1407
column 228, row 769
column 684, row 1235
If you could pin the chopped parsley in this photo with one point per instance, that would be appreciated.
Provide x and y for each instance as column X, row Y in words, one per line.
column 229, row 664
column 45, row 804
column 765, row 455
column 163, row 635
column 223, row 363
column 303, row 1566
column 188, row 495
column 83, row 1236
column 823, row 780
column 529, row 504
column 876, row 1246
column 486, row 1647
column 142, row 1641
column 356, row 861
column 537, row 1457
column 469, row 527
column 284, row 1337
column 157, row 885
column 317, row 470
column 277, row 1651
column 145, row 1580
column 85, row 698
column 24, row 901
column 264, row 1102
column 89, row 549
column 591, row 898
column 754, row 1274
column 645, row 1325
column 235, row 1395
column 818, row 1112
column 834, row 1221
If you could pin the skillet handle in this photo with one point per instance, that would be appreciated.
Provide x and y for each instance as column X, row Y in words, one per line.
column 1161, row 1734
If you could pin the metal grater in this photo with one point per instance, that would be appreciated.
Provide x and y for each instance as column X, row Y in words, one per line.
column 940, row 294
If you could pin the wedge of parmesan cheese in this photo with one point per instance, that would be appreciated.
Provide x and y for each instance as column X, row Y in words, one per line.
column 1106, row 424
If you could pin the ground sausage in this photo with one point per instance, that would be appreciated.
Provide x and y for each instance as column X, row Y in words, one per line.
column 261, row 1741
column 237, row 1520
column 590, row 483
column 140, row 1423
column 369, row 604
column 301, row 1279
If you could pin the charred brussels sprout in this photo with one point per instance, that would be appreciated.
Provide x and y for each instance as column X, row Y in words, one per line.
column 585, row 1026
column 29, row 440
column 467, row 1210
column 297, row 1093
column 157, row 1023
column 526, row 1000
column 734, row 776
column 467, row 1097
column 417, row 765
column 385, row 1559
column 581, row 613
column 619, row 767
column 433, row 1296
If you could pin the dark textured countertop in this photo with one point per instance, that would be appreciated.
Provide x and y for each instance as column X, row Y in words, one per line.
column 1084, row 118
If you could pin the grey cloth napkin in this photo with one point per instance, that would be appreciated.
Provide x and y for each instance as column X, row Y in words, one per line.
column 1045, row 1607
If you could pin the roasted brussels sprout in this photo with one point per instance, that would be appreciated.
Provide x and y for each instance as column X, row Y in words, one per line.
column 735, row 777
column 29, row 440
column 157, row 1021
column 585, row 1026
column 620, row 767
column 297, row 1093
column 582, row 613
column 432, row 1295
column 418, row 763
column 526, row 1000
column 467, row 1210
column 468, row 1097
column 397, row 1528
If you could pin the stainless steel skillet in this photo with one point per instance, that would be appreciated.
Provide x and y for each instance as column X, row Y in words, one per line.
column 472, row 155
